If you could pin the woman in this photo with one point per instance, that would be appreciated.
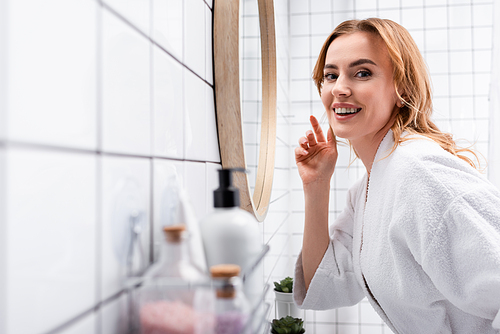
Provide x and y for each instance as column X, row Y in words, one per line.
column 420, row 233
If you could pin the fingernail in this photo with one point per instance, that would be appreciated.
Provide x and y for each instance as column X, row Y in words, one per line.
column 305, row 152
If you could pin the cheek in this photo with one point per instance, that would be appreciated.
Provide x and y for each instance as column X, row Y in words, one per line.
column 326, row 98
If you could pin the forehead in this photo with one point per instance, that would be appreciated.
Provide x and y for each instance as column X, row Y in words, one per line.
column 358, row 45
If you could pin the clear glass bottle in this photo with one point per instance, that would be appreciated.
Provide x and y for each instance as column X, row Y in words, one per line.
column 231, row 306
column 175, row 261
column 175, row 297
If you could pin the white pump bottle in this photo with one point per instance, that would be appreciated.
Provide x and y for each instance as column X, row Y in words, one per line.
column 230, row 235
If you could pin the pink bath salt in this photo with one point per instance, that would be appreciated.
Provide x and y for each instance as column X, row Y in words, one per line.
column 231, row 322
column 167, row 318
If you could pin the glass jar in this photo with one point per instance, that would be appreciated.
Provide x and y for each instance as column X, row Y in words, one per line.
column 175, row 260
column 231, row 306
column 175, row 297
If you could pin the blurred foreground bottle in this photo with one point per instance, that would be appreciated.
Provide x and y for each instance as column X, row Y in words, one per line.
column 231, row 306
column 175, row 297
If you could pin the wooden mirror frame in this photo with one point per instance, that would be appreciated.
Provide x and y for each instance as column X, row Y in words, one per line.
column 228, row 102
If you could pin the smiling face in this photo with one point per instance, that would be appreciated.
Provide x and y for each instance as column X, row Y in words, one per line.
column 358, row 88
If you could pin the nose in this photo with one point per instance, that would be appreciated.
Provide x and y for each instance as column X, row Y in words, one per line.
column 341, row 87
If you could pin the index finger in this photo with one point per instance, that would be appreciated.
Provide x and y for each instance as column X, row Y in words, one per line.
column 320, row 136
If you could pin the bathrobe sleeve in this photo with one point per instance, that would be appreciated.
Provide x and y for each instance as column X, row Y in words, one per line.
column 334, row 283
column 463, row 257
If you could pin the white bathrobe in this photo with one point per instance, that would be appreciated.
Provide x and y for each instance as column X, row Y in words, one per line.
column 423, row 245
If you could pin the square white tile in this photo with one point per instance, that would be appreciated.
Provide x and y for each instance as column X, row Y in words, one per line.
column 168, row 26
column 299, row 6
column 371, row 329
column 321, row 6
column 365, row 5
column 300, row 24
column 460, row 38
column 441, row 107
column 168, row 106
column 342, row 5
column 321, row 24
column 300, row 90
column 51, row 92
column 412, row 3
column 437, row 62
column 328, row 316
column 460, row 16
column 348, row 314
column 195, row 187
column 482, row 37
column 299, row 46
column 341, row 16
column 195, row 36
column 391, row 14
column 136, row 12
column 168, row 177
column 412, row 18
column 387, row 3
column 249, row 8
column 300, row 68
column 482, row 83
column 126, row 192
column 482, row 14
column 441, row 85
column 126, row 97
column 51, row 238
column 482, row 61
column 462, row 107
column 195, row 109
column 436, row 40
column 461, row 61
column 461, row 84
column 436, row 17
column 196, row 201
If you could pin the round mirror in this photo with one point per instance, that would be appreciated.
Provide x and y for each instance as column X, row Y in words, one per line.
column 255, row 191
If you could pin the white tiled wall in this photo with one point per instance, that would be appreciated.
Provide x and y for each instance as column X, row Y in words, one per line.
column 455, row 38
column 101, row 102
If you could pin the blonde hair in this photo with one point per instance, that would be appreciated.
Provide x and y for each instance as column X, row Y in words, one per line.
column 410, row 77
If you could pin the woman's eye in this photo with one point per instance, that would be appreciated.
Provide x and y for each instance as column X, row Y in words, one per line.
column 330, row 76
column 363, row 74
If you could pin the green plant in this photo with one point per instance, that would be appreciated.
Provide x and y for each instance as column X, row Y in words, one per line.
column 285, row 285
column 287, row 325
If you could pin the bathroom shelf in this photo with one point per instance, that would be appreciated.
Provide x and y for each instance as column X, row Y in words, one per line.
column 259, row 310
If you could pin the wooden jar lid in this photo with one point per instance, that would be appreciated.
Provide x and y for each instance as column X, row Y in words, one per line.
column 174, row 233
column 225, row 270
column 222, row 271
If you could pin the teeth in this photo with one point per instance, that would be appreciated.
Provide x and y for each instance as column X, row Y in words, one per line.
column 346, row 110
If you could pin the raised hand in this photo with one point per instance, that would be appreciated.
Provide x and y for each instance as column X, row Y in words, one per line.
column 316, row 156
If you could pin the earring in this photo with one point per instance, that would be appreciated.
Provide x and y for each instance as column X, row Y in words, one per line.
column 400, row 103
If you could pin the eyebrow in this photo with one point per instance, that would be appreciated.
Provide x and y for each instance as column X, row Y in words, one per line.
column 353, row 64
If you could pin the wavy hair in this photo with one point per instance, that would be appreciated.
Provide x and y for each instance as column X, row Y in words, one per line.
column 411, row 77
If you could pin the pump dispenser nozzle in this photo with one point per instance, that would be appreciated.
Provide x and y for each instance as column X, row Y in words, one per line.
column 227, row 196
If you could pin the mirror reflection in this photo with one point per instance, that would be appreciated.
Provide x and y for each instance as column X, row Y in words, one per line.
column 250, row 84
